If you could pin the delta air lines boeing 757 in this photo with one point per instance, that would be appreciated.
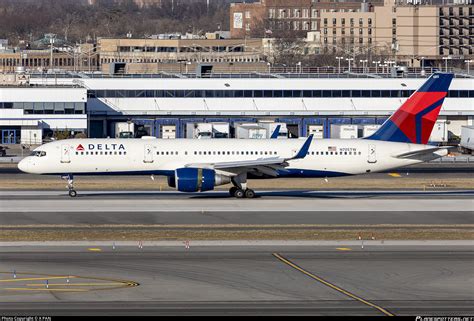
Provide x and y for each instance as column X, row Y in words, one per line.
column 198, row 165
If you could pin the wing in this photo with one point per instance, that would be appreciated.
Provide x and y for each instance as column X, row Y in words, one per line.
column 260, row 166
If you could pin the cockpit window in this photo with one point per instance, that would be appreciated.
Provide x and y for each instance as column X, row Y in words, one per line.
column 38, row 153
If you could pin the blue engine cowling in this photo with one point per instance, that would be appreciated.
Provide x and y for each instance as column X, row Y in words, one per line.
column 194, row 179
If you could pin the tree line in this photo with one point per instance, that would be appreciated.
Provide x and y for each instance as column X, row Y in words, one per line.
column 77, row 21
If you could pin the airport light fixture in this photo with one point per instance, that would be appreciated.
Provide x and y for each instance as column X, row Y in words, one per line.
column 468, row 62
column 376, row 66
column 349, row 60
column 298, row 64
column 446, row 62
column 364, row 62
column 339, row 63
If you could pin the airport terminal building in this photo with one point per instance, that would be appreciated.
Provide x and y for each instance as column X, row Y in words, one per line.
column 221, row 105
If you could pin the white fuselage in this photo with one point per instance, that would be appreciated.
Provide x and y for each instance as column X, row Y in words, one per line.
column 326, row 157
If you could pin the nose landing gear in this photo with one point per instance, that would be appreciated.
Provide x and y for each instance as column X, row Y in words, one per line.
column 70, row 185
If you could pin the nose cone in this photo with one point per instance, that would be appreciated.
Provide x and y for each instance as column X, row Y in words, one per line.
column 23, row 165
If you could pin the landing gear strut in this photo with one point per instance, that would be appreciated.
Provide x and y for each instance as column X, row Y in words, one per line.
column 240, row 190
column 70, row 185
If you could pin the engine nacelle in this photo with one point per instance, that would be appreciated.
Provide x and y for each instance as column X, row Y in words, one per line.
column 191, row 179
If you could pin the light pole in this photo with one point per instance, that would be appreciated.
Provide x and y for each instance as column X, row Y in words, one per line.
column 298, row 65
column 349, row 62
column 339, row 63
column 51, row 42
column 468, row 62
column 363, row 61
column 422, row 63
column 446, row 62
column 376, row 66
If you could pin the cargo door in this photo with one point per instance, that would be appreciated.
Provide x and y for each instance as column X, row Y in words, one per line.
column 372, row 157
column 65, row 154
column 148, row 154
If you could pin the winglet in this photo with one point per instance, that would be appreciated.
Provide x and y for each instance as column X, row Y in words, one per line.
column 276, row 132
column 304, row 149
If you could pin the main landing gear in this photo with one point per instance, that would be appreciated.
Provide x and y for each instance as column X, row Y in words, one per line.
column 240, row 190
column 241, row 193
column 70, row 185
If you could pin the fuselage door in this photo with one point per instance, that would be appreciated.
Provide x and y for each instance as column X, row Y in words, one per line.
column 372, row 157
column 65, row 154
column 148, row 156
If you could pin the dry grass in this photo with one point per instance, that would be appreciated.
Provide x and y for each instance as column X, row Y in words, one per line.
column 244, row 233
column 160, row 183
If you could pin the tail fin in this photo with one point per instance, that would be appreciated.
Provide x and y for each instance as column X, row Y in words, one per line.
column 414, row 120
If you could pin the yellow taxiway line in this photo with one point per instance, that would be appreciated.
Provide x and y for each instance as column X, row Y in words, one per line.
column 77, row 284
column 46, row 289
column 36, row 279
column 332, row 286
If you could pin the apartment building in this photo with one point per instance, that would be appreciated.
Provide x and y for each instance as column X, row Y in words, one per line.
column 266, row 17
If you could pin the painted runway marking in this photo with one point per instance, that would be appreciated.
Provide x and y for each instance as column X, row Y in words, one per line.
column 332, row 286
column 36, row 279
column 95, row 250
column 64, row 283
column 394, row 175
column 45, row 289
column 75, row 284
column 343, row 249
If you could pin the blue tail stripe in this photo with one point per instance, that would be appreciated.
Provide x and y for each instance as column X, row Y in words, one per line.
column 438, row 82
column 420, row 115
column 389, row 132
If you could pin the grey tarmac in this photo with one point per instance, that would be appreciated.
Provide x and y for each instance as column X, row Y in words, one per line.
column 398, row 279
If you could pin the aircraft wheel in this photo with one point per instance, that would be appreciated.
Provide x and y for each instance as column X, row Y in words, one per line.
column 239, row 193
column 72, row 193
column 232, row 190
column 249, row 193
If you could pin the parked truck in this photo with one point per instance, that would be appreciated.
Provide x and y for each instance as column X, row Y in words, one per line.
column 124, row 130
column 467, row 139
column 199, row 130
column 367, row 130
column 250, row 130
column 220, row 130
column 271, row 126
column 439, row 133
column 344, row 131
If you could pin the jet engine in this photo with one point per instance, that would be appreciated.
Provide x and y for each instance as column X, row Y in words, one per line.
column 191, row 179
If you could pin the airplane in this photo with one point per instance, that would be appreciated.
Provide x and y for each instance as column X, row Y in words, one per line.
column 193, row 165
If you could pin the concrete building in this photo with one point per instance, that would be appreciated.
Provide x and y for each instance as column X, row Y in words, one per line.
column 159, row 105
column 83, row 57
column 30, row 114
column 401, row 30
column 179, row 55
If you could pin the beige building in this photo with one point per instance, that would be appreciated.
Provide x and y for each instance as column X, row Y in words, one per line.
column 180, row 55
column 265, row 17
column 403, row 31
column 81, row 58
